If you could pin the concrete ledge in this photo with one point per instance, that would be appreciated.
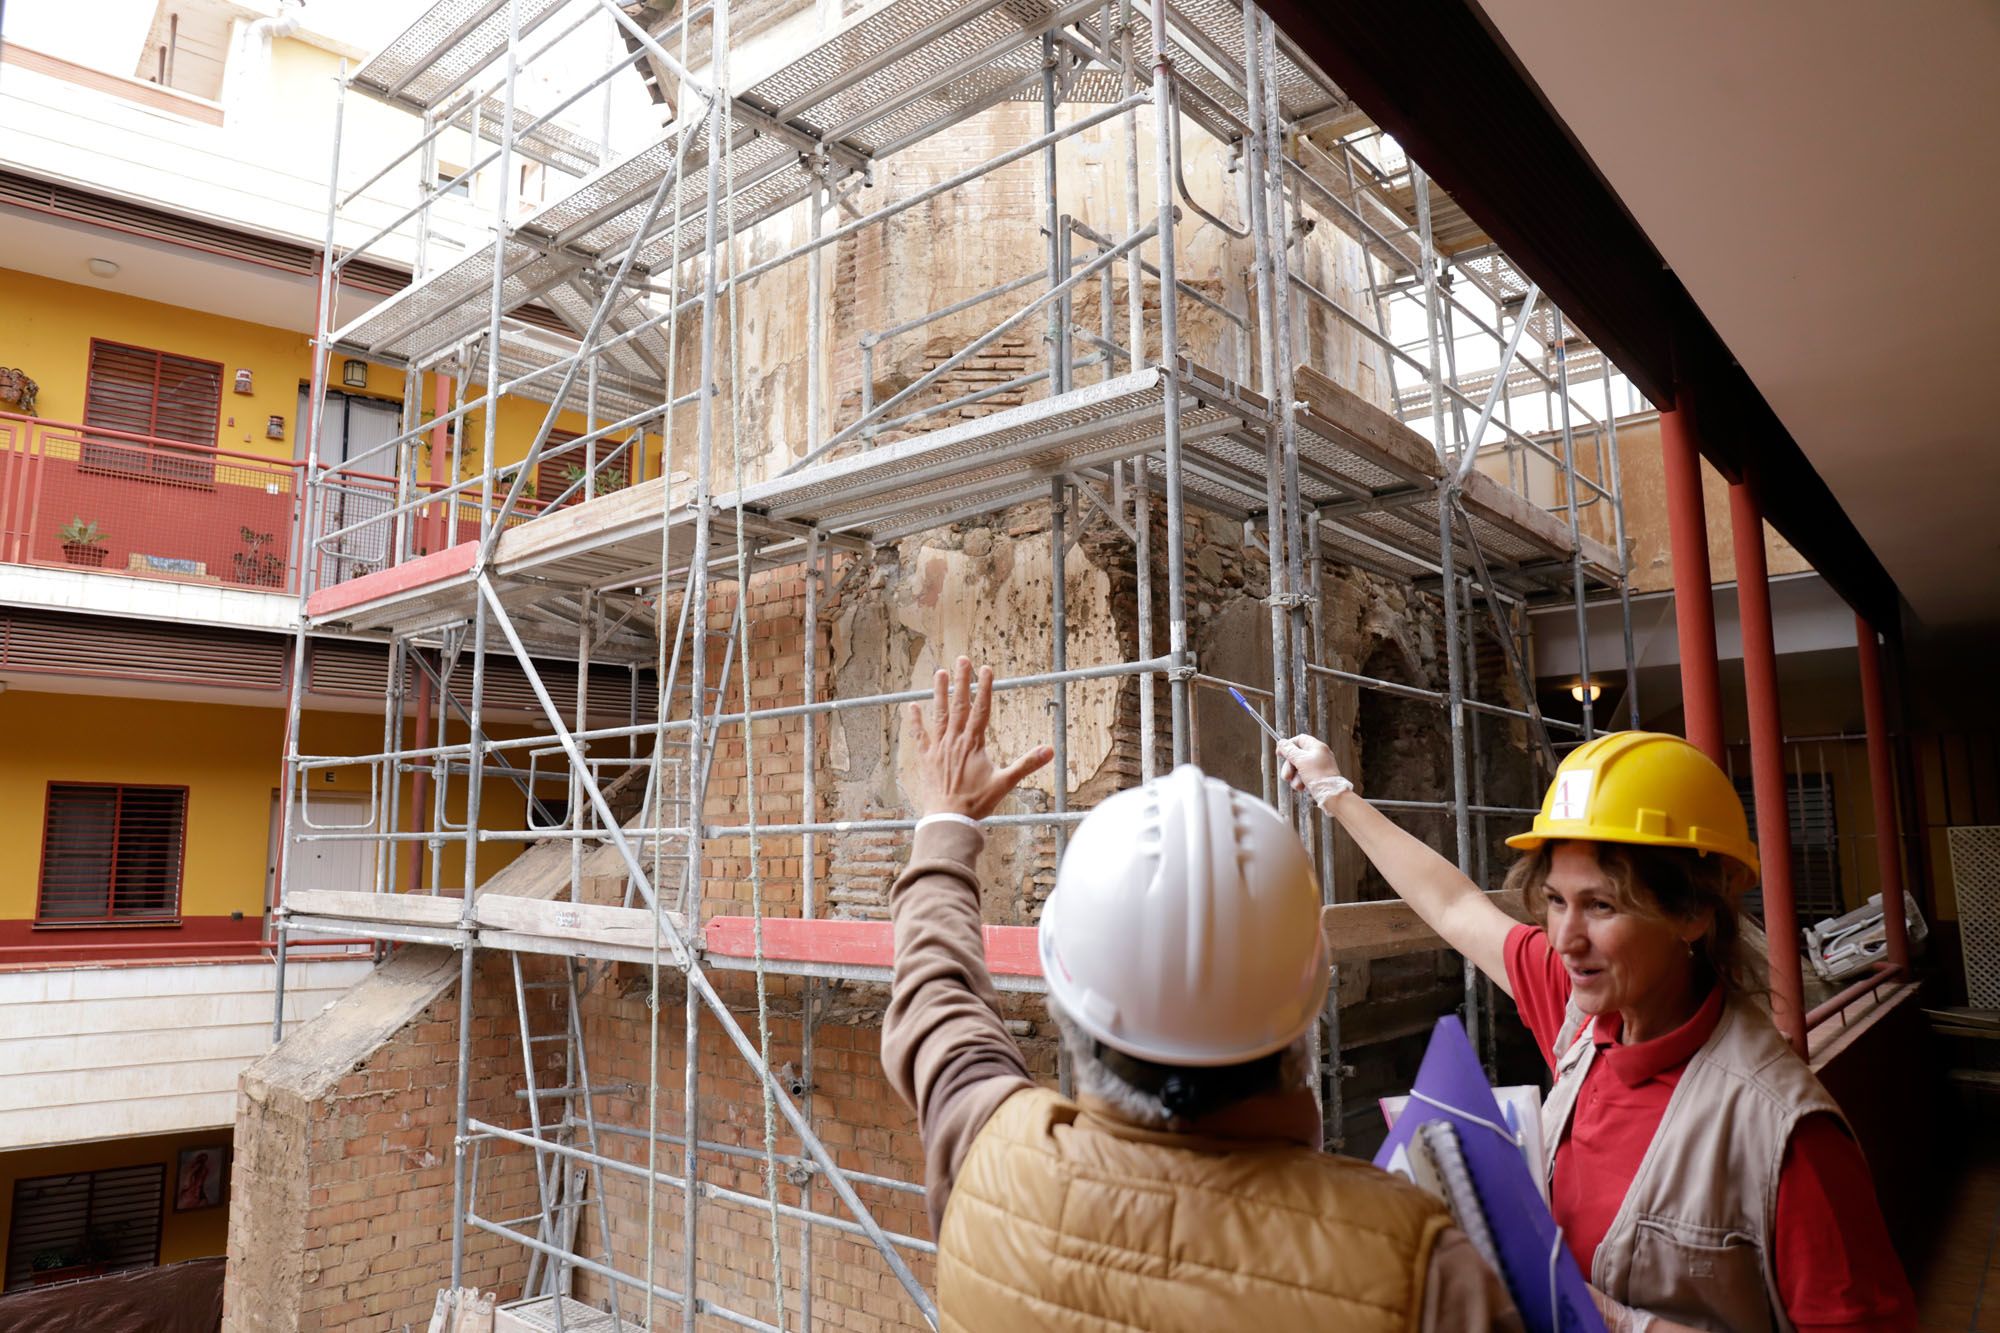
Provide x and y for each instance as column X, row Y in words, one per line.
column 147, row 598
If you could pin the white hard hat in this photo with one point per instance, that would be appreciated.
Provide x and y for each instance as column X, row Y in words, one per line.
column 1184, row 926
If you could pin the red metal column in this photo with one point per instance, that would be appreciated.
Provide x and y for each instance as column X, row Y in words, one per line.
column 433, row 528
column 1694, row 602
column 1767, row 763
column 1882, row 785
column 430, row 537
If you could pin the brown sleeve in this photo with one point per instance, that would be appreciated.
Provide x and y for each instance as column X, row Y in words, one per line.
column 1462, row 1294
column 944, row 1048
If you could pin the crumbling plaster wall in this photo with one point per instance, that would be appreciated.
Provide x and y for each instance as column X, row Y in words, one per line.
column 960, row 243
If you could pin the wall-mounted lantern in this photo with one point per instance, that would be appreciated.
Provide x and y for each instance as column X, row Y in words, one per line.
column 274, row 427
column 243, row 381
column 354, row 374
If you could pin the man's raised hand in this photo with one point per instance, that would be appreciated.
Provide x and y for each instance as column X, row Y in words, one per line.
column 954, row 773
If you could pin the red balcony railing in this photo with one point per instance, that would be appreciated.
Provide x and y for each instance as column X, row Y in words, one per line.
column 162, row 509
column 362, row 527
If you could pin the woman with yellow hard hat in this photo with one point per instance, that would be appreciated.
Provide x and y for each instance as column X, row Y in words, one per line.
column 1701, row 1175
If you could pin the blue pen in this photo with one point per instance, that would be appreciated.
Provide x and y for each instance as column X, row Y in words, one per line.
column 1269, row 730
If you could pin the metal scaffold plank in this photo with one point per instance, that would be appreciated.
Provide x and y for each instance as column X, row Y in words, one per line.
column 446, row 48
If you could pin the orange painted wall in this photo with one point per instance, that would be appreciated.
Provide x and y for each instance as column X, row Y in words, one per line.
column 50, row 324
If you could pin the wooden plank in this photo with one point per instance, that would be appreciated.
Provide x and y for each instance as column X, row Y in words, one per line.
column 585, row 923
column 1984, row 1018
column 633, row 510
column 417, row 909
column 1387, row 929
column 1010, row 950
column 1491, row 500
column 1365, row 428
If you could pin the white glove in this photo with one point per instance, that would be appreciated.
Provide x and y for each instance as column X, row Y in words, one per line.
column 1309, row 767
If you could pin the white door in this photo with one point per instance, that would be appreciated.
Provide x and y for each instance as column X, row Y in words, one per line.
column 347, row 865
column 349, row 426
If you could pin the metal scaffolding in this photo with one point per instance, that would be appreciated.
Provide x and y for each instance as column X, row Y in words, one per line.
column 1489, row 487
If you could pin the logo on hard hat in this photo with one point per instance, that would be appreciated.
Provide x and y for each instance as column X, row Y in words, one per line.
column 1572, row 795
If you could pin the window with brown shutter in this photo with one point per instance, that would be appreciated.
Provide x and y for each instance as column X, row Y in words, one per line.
column 85, row 1222
column 553, row 476
column 111, row 855
column 158, row 394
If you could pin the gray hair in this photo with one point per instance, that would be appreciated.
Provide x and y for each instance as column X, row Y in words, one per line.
column 1093, row 1078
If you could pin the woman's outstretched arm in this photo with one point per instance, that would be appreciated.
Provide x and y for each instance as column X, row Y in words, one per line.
column 1449, row 903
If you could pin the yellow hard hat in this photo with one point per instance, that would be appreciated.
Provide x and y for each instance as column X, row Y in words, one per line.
column 1647, row 788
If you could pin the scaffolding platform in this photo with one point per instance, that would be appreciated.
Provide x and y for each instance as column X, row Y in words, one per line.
column 538, row 1314
column 832, row 948
column 1529, row 550
column 891, row 77
column 550, row 251
column 617, row 541
column 1373, row 482
column 445, row 49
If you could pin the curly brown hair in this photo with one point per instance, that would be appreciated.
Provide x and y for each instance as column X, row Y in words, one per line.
column 1668, row 884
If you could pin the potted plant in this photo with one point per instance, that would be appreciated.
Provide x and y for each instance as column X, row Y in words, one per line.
column 609, row 479
column 67, row 1263
column 259, row 563
column 82, row 543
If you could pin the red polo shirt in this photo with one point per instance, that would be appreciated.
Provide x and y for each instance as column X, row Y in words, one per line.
column 1834, row 1264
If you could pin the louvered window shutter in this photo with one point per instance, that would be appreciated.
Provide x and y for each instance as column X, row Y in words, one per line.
column 1816, row 884
column 157, row 394
column 112, row 854
column 101, row 1220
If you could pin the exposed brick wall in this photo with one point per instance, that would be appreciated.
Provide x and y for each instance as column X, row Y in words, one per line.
column 342, row 1207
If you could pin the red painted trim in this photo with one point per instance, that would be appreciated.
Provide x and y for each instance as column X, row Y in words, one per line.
column 1010, row 950
column 411, row 574
column 157, row 97
column 26, row 942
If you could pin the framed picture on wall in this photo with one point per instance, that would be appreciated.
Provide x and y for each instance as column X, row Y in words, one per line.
column 200, row 1176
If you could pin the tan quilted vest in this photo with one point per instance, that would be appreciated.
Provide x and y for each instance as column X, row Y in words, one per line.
column 1693, row 1239
column 1064, row 1220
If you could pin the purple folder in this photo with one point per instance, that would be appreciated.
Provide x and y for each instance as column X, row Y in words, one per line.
column 1524, row 1233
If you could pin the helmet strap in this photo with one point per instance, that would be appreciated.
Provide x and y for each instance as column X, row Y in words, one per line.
column 1189, row 1092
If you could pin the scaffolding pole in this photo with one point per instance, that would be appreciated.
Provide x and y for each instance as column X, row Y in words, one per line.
column 660, row 245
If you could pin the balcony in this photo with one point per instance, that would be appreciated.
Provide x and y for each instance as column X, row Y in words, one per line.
column 106, row 501
column 82, row 499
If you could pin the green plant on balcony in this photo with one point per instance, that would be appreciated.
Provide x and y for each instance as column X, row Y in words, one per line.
column 82, row 542
column 87, row 1257
column 259, row 564
column 608, row 480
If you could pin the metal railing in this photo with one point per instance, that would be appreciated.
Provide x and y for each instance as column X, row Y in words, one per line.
column 87, row 498
column 83, row 497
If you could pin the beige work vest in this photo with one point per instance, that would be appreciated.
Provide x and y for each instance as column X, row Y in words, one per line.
column 1693, row 1240
column 1062, row 1220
